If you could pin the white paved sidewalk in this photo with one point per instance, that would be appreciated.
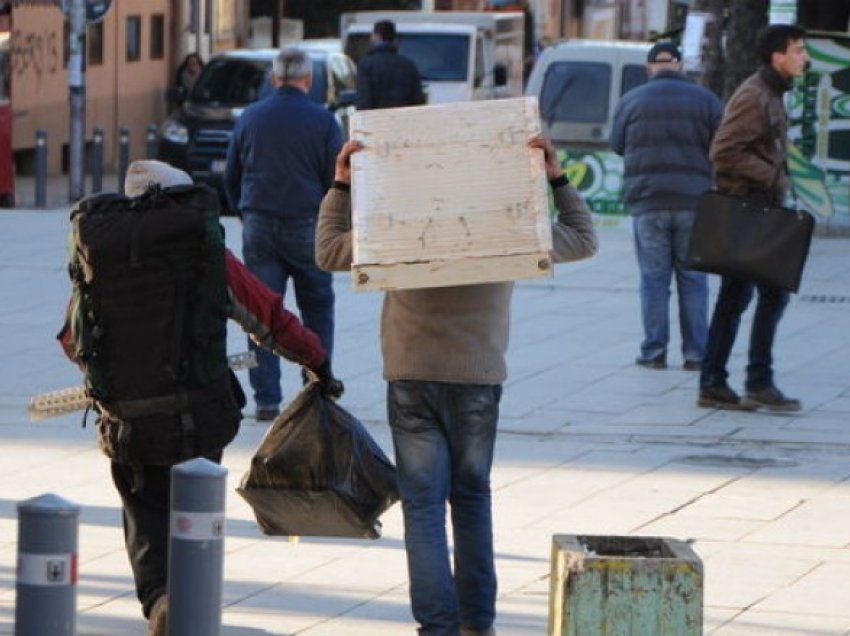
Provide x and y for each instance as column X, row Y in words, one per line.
column 589, row 443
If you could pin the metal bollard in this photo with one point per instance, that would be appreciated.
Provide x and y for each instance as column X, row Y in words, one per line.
column 46, row 585
column 97, row 160
column 196, row 548
column 41, row 168
column 151, row 142
column 123, row 156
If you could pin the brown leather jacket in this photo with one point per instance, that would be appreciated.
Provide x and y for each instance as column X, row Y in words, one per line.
column 749, row 151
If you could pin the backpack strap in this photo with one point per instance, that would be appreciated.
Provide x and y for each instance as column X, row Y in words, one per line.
column 173, row 403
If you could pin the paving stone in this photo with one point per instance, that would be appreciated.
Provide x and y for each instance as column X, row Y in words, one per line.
column 588, row 443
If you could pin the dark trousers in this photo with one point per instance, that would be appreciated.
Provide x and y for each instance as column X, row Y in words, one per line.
column 146, row 512
column 734, row 297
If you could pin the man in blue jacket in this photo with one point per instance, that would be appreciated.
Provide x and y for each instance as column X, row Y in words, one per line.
column 280, row 163
column 663, row 130
column 386, row 79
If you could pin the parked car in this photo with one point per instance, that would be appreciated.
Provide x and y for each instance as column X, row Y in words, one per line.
column 196, row 136
column 580, row 82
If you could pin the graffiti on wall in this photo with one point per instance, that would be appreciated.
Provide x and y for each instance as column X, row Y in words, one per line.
column 598, row 176
column 819, row 111
column 35, row 52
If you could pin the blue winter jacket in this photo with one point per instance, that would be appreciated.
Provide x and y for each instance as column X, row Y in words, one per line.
column 663, row 130
column 281, row 157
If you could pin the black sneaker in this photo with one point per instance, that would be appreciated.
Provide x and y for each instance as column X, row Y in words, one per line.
column 722, row 397
column 655, row 363
column 266, row 414
column 692, row 365
column 773, row 399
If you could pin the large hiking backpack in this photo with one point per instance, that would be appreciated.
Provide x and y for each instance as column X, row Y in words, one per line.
column 148, row 322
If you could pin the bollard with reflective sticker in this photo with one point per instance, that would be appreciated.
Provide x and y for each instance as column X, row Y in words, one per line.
column 46, row 579
column 196, row 548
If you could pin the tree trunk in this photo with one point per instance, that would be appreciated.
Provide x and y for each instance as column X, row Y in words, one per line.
column 746, row 18
column 712, row 50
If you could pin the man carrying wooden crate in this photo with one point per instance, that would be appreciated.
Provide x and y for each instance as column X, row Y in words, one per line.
column 444, row 360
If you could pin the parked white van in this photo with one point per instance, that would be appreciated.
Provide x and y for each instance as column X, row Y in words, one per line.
column 578, row 84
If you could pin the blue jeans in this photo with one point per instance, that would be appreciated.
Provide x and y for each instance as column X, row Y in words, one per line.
column 661, row 244
column 734, row 297
column 276, row 250
column 443, row 435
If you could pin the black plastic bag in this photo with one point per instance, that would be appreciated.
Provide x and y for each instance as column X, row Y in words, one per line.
column 318, row 472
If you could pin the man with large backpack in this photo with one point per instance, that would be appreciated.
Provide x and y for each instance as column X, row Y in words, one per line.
column 153, row 286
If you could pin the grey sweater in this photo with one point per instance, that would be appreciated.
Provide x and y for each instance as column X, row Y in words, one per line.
column 449, row 334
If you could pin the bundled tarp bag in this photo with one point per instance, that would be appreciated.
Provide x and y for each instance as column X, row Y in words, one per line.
column 318, row 472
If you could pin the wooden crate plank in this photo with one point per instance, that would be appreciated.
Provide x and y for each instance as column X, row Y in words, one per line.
column 456, row 272
column 438, row 186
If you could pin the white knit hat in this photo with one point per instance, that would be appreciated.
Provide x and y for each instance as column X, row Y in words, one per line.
column 143, row 174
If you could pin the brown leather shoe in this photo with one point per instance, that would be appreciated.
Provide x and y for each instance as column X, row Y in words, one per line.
column 722, row 397
column 773, row 399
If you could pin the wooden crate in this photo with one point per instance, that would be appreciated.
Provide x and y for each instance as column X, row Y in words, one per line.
column 630, row 586
column 449, row 194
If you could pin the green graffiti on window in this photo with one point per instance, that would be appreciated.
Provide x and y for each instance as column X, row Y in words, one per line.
column 598, row 176
column 819, row 115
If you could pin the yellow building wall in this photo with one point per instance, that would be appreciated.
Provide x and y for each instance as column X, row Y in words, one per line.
column 118, row 92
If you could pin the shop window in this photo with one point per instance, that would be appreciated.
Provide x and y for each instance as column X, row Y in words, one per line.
column 94, row 41
column 157, row 36
column 134, row 38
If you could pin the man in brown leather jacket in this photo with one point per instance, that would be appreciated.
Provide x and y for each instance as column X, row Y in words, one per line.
column 749, row 153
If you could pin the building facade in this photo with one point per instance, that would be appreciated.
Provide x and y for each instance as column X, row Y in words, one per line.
column 131, row 56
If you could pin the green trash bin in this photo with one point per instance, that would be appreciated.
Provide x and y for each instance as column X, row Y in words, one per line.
column 628, row 586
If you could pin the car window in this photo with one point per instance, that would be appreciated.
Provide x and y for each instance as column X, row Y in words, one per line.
column 633, row 75
column 234, row 82
column 576, row 92
column 230, row 82
column 439, row 57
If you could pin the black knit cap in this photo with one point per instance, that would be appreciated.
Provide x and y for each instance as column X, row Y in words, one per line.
column 667, row 51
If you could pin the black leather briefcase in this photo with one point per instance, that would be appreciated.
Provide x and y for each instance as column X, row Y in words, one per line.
column 750, row 239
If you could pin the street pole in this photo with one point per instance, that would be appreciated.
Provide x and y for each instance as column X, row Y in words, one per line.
column 77, row 90
column 277, row 14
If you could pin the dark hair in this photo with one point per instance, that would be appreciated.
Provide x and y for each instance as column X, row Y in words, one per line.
column 385, row 29
column 190, row 56
column 775, row 39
